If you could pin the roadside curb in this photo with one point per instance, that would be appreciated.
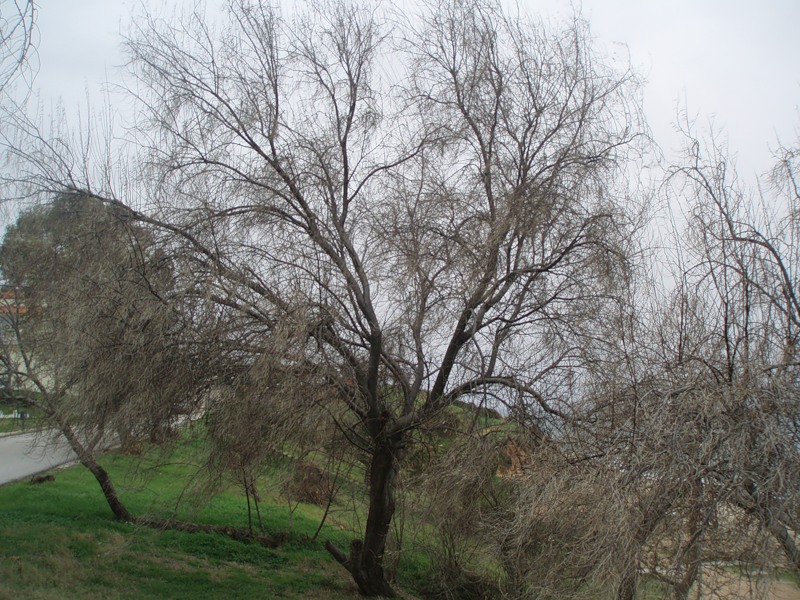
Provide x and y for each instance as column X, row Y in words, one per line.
column 23, row 432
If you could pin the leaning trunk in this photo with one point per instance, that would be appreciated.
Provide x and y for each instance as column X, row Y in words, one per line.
column 786, row 541
column 365, row 562
column 87, row 459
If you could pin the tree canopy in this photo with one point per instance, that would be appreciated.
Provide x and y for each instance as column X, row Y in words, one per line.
column 346, row 224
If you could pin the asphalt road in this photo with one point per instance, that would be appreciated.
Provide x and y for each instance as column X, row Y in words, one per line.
column 26, row 454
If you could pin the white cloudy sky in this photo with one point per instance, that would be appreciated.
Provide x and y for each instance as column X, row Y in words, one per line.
column 736, row 61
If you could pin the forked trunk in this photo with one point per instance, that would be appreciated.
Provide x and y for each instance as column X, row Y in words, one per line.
column 365, row 562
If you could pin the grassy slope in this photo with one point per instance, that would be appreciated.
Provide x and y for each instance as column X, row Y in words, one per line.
column 59, row 540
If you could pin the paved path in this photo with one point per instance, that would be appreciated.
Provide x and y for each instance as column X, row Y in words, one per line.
column 26, row 454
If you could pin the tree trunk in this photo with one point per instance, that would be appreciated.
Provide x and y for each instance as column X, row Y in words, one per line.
column 693, row 558
column 775, row 525
column 626, row 590
column 786, row 541
column 659, row 504
column 121, row 513
column 87, row 459
column 365, row 562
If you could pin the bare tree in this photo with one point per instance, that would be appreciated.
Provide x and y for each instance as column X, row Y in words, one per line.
column 701, row 418
column 17, row 28
column 683, row 452
column 440, row 224
column 750, row 249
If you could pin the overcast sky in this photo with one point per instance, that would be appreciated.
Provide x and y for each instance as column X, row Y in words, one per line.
column 736, row 61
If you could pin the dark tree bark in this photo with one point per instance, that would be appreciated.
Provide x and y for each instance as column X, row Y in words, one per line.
column 651, row 517
column 749, row 501
column 365, row 562
column 87, row 459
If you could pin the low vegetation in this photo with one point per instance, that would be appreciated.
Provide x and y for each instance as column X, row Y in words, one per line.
column 59, row 539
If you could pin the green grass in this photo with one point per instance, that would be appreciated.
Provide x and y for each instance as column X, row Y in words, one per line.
column 788, row 576
column 59, row 540
column 7, row 407
column 9, row 425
